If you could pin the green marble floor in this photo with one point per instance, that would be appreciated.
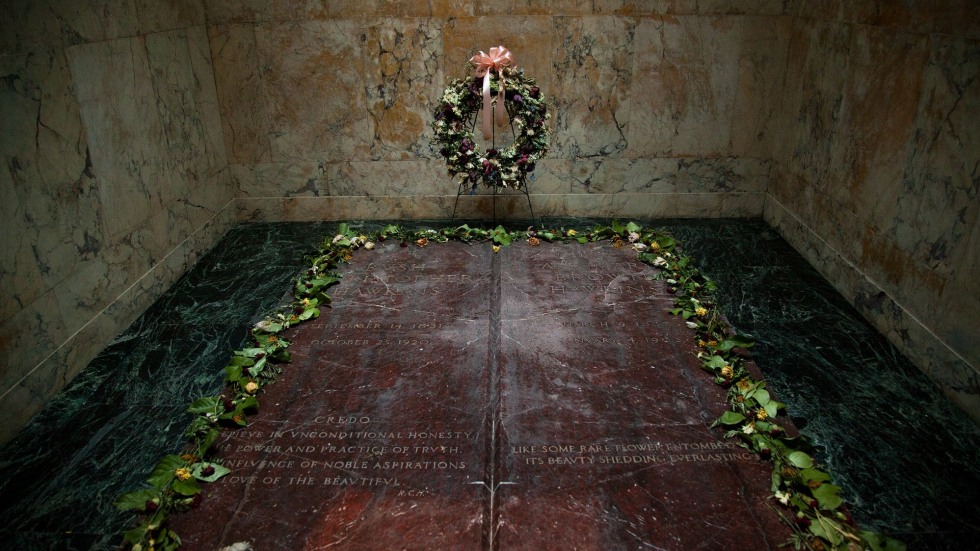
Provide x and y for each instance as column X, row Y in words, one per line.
column 903, row 453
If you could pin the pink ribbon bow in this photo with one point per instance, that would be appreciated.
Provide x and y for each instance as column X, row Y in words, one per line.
column 499, row 58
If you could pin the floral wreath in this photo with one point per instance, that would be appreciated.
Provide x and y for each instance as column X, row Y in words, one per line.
column 455, row 119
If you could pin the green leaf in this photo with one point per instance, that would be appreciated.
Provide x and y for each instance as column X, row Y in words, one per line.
column 617, row 227
column 344, row 228
column 250, row 352
column 187, row 487
column 137, row 534
column 240, row 361
column 826, row 495
column 500, row 236
column 257, row 368
column 771, row 408
column 207, row 404
column 831, row 530
column 632, row 227
column 250, row 403
column 800, row 459
column 814, row 474
column 676, row 311
column 583, row 240
column 209, row 437
column 716, row 362
column 880, row 542
column 219, row 471
column 164, row 470
column 731, row 418
column 547, row 236
column 776, row 479
column 234, row 373
column 761, row 396
column 136, row 499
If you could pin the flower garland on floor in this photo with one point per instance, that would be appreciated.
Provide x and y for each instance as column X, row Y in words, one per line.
column 453, row 126
column 815, row 510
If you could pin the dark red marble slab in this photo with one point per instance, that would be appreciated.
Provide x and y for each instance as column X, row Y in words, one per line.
column 376, row 432
column 605, row 415
column 453, row 398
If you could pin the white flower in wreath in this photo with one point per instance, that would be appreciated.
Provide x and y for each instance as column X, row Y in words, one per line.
column 660, row 262
column 530, row 132
column 338, row 237
column 639, row 247
column 691, row 325
column 634, row 237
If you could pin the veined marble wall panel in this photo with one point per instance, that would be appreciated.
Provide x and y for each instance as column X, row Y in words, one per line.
column 165, row 15
column 34, row 25
column 402, row 77
column 245, row 121
column 511, row 206
column 53, row 217
column 591, row 80
column 881, row 161
column 950, row 17
column 299, row 179
column 939, row 199
column 706, row 86
column 311, row 78
column 114, row 88
column 670, row 175
column 115, row 174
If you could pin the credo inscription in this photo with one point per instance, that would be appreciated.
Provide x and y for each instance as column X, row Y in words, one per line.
column 343, row 450
column 630, row 454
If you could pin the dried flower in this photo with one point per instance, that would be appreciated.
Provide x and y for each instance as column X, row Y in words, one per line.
column 533, row 241
column 251, row 387
column 761, row 415
column 422, row 242
column 207, row 471
column 744, row 385
column 633, row 237
column 654, row 246
column 727, row 372
column 572, row 233
column 496, row 248
column 701, row 311
column 369, row 245
column 188, row 458
column 182, row 473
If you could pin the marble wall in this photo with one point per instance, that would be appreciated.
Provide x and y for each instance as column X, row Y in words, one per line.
column 662, row 108
column 114, row 178
column 877, row 179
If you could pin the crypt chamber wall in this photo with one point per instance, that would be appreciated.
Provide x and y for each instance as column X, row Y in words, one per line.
column 137, row 132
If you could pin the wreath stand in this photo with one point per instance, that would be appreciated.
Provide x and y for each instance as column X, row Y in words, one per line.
column 493, row 145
